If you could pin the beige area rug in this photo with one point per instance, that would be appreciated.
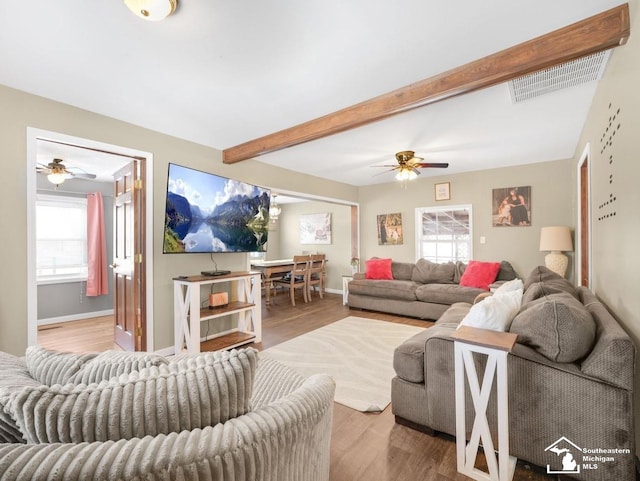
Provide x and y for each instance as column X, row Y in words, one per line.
column 356, row 352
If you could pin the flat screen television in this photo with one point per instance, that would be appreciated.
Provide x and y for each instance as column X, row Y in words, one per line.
column 206, row 213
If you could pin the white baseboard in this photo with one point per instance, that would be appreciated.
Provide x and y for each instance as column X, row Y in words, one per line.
column 166, row 351
column 74, row 317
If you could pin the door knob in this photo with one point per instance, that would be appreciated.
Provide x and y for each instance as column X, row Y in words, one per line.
column 113, row 266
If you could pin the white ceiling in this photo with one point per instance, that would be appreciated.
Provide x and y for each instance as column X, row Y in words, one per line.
column 222, row 73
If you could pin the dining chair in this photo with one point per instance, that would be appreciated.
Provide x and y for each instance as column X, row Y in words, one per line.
column 316, row 274
column 297, row 278
column 270, row 282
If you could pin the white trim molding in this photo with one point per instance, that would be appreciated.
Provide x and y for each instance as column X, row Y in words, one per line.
column 584, row 157
column 33, row 134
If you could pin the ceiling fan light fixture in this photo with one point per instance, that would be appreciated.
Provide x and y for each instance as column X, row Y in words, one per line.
column 152, row 10
column 405, row 174
column 57, row 178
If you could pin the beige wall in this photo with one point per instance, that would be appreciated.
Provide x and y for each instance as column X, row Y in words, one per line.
column 551, row 205
column 615, row 173
column 20, row 110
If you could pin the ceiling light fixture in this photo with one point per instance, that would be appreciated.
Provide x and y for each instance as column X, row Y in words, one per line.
column 274, row 209
column 406, row 173
column 153, row 10
column 56, row 178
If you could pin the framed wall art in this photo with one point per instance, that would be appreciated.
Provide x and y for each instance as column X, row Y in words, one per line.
column 315, row 228
column 390, row 229
column 443, row 191
column 511, row 207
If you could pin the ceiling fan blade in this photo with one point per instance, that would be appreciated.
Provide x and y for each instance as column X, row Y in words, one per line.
column 385, row 172
column 415, row 170
column 442, row 165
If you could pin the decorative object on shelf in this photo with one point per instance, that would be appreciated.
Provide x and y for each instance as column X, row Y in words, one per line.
column 355, row 265
column 218, row 299
column 390, row 229
column 556, row 239
column 443, row 191
column 153, row 10
column 511, row 207
column 274, row 210
column 315, row 228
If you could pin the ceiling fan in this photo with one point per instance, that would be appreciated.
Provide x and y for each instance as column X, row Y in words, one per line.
column 57, row 172
column 408, row 165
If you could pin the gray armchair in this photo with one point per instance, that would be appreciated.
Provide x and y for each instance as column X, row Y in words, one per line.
column 284, row 436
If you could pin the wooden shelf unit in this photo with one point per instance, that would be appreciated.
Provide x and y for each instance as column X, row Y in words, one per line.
column 188, row 313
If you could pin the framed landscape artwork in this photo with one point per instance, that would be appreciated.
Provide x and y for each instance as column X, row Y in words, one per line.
column 390, row 229
column 511, row 207
column 315, row 229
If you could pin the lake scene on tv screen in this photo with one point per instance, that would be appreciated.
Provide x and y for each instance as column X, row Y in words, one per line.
column 209, row 213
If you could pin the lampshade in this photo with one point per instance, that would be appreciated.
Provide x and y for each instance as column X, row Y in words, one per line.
column 153, row 10
column 555, row 239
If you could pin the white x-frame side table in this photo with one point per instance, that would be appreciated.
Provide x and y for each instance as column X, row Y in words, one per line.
column 496, row 346
column 345, row 289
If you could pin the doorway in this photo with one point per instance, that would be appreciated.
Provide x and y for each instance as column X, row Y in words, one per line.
column 101, row 161
column 284, row 239
column 583, row 234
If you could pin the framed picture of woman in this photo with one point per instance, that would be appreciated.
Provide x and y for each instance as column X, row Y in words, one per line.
column 390, row 229
column 511, row 207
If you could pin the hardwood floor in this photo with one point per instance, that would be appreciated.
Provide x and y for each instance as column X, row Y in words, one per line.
column 87, row 335
column 365, row 446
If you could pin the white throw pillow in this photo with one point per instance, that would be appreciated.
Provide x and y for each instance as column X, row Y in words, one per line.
column 509, row 286
column 495, row 312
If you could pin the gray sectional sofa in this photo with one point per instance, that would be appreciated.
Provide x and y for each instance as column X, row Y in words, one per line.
column 570, row 379
column 424, row 290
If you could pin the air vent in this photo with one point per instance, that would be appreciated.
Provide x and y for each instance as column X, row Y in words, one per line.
column 576, row 72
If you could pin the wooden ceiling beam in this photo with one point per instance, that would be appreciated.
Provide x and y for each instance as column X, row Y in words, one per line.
column 600, row 32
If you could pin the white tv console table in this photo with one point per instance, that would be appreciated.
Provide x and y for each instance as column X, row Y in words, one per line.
column 188, row 311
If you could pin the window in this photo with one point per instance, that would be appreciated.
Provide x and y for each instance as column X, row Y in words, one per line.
column 61, row 238
column 444, row 234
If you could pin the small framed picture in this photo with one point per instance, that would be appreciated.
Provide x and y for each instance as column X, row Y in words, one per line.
column 443, row 191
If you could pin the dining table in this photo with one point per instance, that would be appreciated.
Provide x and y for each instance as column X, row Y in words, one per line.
column 267, row 269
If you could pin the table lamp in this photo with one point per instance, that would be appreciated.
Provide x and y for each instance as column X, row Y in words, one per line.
column 556, row 239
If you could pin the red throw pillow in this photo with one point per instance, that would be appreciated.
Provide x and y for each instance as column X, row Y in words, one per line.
column 378, row 269
column 480, row 274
